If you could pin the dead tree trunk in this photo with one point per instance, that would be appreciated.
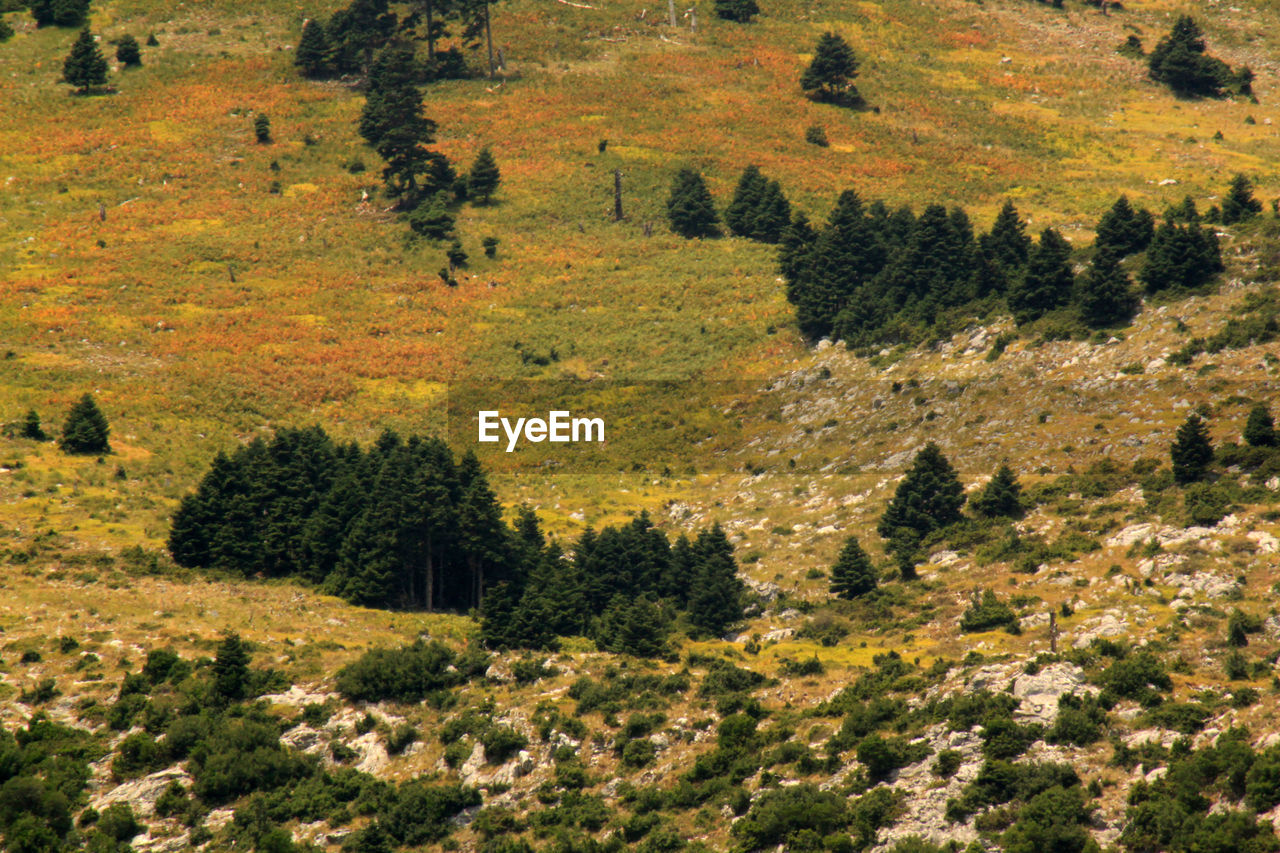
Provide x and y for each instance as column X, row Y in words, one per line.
column 671, row 12
column 1053, row 633
column 488, row 36
column 617, row 195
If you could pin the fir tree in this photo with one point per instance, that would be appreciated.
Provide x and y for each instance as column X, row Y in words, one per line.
column 797, row 239
column 1123, row 231
column 61, row 13
column 741, row 11
column 393, row 124
column 1191, row 451
column 6, row 31
column 86, row 429
column 1181, row 257
column 31, row 427
column 1105, row 293
column 740, row 215
column 1180, row 62
column 1239, row 204
column 231, row 669
column 432, row 219
column 356, row 33
column 85, row 68
column 1047, row 282
column 1007, row 242
column 1001, row 496
column 690, row 209
column 853, row 575
column 262, row 128
column 483, row 179
column 830, row 75
column 773, row 214
column 928, row 498
column 312, row 55
column 637, row 627
column 128, row 53
column 716, row 591
column 1260, row 429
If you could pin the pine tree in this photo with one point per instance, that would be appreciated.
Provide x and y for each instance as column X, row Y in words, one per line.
column 741, row 11
column 1105, row 293
column 853, row 575
column 1239, row 204
column 773, row 214
column 830, row 75
column 6, row 31
column 86, row 429
column 1047, row 282
column 1001, row 496
column 1260, row 429
column 231, row 668
column 1007, row 243
column 1181, row 257
column 690, row 209
column 432, row 219
column 740, row 215
column 1123, row 230
column 31, row 427
column 312, row 55
column 85, row 68
column 483, row 179
column 356, row 33
column 128, row 53
column 61, row 13
column 1180, row 62
column 928, row 498
column 1191, row 451
column 716, row 591
column 633, row 627
column 262, row 128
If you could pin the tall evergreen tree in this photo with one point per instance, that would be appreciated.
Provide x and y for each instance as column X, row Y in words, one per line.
column 716, row 591
column 128, row 53
column 1048, row 281
column 231, row 668
column 481, row 532
column 31, row 427
column 86, row 430
column 1105, row 293
column 1007, row 242
column 928, row 498
column 85, row 68
column 773, row 214
column 60, row 13
column 797, row 239
column 853, row 574
column 1181, row 257
column 740, row 215
column 313, row 52
column 6, row 30
column 1260, row 428
column 392, row 123
column 690, row 209
column 1123, row 230
column 1239, row 204
column 356, row 33
column 1180, row 62
column 1191, row 452
column 830, row 74
column 483, row 179
column 1001, row 496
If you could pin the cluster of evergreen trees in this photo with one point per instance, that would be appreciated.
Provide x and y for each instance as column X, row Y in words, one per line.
column 59, row 13
column 405, row 524
column 1180, row 61
column 623, row 587
column 759, row 209
column 873, row 276
column 347, row 43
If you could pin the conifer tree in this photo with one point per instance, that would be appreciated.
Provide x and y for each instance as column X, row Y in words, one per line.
column 690, row 209
column 356, row 33
column 928, row 498
column 231, row 668
column 483, row 179
column 128, row 53
column 1180, row 62
column 830, row 75
column 1007, row 242
column 773, row 214
column 637, row 627
column 31, row 427
column 1239, row 204
column 715, row 593
column 1001, row 496
column 86, row 430
column 1123, row 230
column 1260, row 428
column 741, row 11
column 262, row 128
column 85, row 68
column 1105, row 294
column 1047, row 282
column 6, row 31
column 61, row 13
column 1191, row 452
column 740, row 215
column 853, row 575
column 312, row 54
column 797, row 239
column 1181, row 256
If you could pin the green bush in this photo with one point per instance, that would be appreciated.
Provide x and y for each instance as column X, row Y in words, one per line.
column 407, row 674
column 502, row 742
column 986, row 613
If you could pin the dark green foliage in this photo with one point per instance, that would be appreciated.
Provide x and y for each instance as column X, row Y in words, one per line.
column 1105, row 294
column 1259, row 429
column 1239, row 626
column 312, row 54
column 455, row 254
column 502, row 742
column 1122, row 231
column 830, row 75
column 1007, row 243
column 432, row 218
column 1206, row 503
column 928, row 498
column 86, row 429
column 1001, row 497
column 231, row 668
column 408, row 674
column 1180, row 62
column 1140, row 677
column 715, row 595
column 128, row 53
column 690, row 209
column 1239, row 204
column 987, row 612
column 490, row 246
column 853, row 575
column 1191, row 451
column 60, row 13
column 883, row 755
column 420, row 812
column 815, row 134
column 393, row 124
column 6, row 30
column 1047, row 282
column 356, row 33
column 759, row 210
column 240, row 756
column 787, row 815
column 31, row 427
column 262, row 128
column 85, row 67
column 1055, row 819
column 1079, row 722
column 741, row 11
column 482, row 180
column 1181, row 257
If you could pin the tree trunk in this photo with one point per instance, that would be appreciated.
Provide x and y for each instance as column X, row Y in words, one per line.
column 431, row 38
column 617, row 195
column 431, row 577
column 671, row 12
column 488, row 36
